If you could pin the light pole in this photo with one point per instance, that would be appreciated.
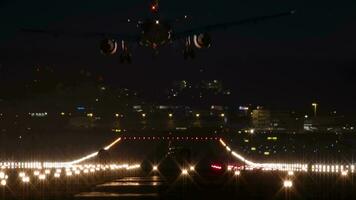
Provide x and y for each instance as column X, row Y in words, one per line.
column 315, row 105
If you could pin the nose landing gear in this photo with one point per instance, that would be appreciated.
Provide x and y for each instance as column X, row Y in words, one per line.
column 188, row 51
column 125, row 56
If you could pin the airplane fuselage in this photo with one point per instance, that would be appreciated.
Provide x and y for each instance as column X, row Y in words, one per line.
column 155, row 33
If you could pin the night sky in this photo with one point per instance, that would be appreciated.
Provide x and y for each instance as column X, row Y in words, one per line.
column 290, row 61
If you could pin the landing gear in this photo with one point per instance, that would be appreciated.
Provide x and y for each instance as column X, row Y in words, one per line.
column 125, row 56
column 188, row 51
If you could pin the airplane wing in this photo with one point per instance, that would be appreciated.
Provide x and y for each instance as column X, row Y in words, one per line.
column 224, row 26
column 58, row 33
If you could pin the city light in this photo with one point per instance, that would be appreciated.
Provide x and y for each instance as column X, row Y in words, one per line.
column 315, row 105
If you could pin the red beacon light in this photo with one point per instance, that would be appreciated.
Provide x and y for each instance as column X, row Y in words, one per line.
column 154, row 7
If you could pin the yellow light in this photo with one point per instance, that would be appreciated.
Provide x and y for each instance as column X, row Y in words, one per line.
column 22, row 174
column 69, row 173
column 117, row 115
column 184, row 172
column 155, row 168
column 288, row 184
column 222, row 115
column 143, row 115
column 170, row 115
column 192, row 168
column 90, row 115
column 62, row 113
column 26, row 179
column 42, row 177
column 197, row 115
column 237, row 173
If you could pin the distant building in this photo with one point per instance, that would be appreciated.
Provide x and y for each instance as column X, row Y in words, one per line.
column 326, row 123
column 269, row 120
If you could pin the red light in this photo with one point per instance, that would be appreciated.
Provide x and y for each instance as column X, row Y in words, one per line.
column 216, row 167
column 154, row 8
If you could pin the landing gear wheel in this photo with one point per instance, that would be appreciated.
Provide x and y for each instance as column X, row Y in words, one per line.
column 126, row 57
column 188, row 52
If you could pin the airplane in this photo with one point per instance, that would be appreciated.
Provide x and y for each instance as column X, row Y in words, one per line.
column 155, row 33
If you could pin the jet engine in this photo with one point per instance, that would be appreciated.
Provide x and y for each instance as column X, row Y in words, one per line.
column 108, row 47
column 202, row 40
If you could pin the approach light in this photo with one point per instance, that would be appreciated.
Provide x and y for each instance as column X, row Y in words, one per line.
column 184, row 172
column 288, row 184
column 192, row 168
